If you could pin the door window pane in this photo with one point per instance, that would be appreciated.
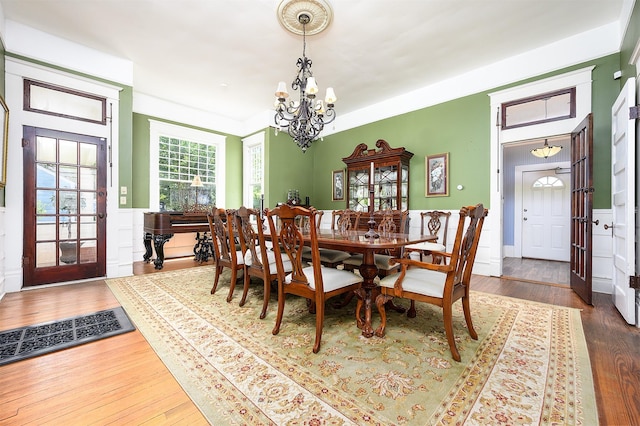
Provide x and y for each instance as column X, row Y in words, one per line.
column 88, row 155
column 46, row 149
column 68, row 152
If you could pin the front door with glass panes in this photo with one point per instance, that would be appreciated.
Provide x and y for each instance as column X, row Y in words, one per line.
column 65, row 206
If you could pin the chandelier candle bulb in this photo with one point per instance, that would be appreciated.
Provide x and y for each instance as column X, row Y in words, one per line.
column 331, row 96
column 312, row 87
column 281, row 91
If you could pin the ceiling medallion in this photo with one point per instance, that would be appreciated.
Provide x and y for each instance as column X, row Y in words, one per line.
column 319, row 12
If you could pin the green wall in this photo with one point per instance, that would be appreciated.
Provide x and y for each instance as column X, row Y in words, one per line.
column 140, row 156
column 287, row 167
column 460, row 127
column 125, row 144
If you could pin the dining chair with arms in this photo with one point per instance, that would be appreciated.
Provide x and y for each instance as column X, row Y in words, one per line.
column 439, row 284
column 226, row 254
column 259, row 259
column 315, row 282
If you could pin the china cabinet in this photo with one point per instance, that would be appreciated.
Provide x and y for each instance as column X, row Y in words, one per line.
column 390, row 170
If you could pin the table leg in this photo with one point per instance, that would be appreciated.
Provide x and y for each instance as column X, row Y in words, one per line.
column 366, row 294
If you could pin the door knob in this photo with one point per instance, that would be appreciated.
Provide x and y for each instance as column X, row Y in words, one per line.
column 524, row 218
column 607, row 226
column 101, row 215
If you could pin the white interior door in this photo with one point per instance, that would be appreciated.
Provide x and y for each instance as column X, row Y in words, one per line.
column 546, row 215
column 623, row 190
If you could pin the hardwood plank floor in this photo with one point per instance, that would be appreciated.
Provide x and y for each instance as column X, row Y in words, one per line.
column 536, row 270
column 121, row 380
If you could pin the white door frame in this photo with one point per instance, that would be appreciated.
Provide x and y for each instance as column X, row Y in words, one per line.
column 517, row 217
column 581, row 80
column 623, row 140
column 16, row 71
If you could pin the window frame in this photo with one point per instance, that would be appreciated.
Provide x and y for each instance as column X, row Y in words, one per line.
column 247, row 167
column 160, row 128
column 571, row 91
column 101, row 100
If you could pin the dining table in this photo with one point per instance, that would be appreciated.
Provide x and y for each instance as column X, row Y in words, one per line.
column 368, row 243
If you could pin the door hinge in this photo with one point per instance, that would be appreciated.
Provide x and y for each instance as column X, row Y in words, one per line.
column 25, row 262
column 634, row 112
column 25, row 142
column 634, row 281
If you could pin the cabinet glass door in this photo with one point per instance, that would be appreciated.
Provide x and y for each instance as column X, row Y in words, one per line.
column 386, row 188
column 359, row 190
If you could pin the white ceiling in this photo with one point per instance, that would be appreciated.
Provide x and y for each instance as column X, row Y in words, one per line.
column 226, row 57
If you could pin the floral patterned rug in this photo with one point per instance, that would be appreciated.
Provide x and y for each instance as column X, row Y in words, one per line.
column 529, row 365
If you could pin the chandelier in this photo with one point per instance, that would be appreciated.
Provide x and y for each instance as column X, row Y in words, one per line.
column 546, row 151
column 305, row 119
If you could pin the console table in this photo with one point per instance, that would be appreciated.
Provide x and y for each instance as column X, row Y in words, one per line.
column 159, row 227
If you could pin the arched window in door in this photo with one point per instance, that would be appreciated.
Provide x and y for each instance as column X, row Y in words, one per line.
column 548, row 182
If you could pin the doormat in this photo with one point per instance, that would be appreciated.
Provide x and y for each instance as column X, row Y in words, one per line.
column 33, row 340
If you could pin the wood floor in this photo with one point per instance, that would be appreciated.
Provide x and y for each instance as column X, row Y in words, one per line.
column 536, row 270
column 120, row 380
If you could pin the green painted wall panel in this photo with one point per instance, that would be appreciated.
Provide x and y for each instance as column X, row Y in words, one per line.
column 125, row 145
column 433, row 130
column 288, row 168
column 233, row 179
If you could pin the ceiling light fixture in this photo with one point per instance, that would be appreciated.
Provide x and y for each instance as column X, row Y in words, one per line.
column 546, row 151
column 305, row 119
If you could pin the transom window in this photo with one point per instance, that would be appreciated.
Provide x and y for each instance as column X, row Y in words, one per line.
column 553, row 106
column 60, row 101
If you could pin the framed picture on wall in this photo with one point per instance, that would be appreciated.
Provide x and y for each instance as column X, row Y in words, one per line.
column 4, row 127
column 437, row 175
column 338, row 185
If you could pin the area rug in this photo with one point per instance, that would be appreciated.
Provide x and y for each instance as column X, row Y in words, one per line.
column 529, row 365
column 33, row 340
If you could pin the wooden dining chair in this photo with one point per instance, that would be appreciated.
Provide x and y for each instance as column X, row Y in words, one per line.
column 387, row 221
column 439, row 284
column 344, row 220
column 226, row 254
column 316, row 282
column 435, row 220
column 328, row 257
column 259, row 259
